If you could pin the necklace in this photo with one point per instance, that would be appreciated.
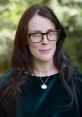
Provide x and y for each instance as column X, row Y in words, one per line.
column 44, row 86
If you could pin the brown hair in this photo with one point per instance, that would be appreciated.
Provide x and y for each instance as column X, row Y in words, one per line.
column 22, row 59
column 21, row 55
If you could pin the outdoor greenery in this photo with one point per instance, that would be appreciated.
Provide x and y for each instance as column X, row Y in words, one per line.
column 69, row 13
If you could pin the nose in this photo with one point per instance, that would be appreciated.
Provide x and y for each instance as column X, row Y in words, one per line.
column 45, row 40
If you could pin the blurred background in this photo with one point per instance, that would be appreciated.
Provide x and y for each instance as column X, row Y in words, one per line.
column 69, row 13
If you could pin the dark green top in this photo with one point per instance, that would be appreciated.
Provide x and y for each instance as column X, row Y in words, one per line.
column 33, row 101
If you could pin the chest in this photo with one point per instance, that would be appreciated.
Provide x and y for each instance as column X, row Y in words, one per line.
column 52, row 102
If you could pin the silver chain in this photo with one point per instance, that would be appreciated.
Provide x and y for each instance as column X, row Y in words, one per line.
column 45, row 81
column 44, row 86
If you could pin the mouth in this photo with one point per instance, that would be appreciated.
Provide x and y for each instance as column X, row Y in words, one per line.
column 45, row 51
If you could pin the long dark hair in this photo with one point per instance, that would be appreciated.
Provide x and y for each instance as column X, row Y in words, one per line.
column 22, row 60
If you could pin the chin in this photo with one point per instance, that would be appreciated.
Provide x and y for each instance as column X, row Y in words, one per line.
column 46, row 59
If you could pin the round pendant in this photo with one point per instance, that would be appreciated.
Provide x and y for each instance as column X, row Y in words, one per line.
column 44, row 86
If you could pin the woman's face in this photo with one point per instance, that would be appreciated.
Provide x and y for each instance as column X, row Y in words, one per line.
column 44, row 50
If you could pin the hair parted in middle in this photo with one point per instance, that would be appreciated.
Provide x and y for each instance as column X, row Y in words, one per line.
column 21, row 54
column 22, row 60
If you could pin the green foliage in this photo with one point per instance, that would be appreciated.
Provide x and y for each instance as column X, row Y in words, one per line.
column 10, row 14
column 68, row 11
column 70, row 14
column 73, row 48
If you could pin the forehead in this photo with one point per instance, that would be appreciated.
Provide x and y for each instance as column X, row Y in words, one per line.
column 40, row 23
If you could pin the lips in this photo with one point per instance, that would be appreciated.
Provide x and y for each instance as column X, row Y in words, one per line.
column 45, row 51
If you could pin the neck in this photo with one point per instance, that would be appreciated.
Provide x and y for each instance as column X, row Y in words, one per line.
column 45, row 68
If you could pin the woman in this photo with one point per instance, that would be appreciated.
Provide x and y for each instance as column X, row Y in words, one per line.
column 42, row 82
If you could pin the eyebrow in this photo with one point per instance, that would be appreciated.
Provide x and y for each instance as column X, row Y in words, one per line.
column 34, row 31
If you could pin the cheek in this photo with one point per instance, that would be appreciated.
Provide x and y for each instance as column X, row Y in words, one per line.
column 33, row 45
column 33, row 49
column 53, row 46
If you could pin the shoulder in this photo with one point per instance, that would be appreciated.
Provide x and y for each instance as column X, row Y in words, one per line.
column 79, row 90
column 80, row 75
column 78, row 84
column 78, row 79
column 5, row 76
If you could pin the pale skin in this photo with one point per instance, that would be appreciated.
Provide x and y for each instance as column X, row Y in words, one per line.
column 42, row 52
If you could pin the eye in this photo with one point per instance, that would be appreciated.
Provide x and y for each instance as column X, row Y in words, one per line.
column 52, row 33
column 37, row 35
